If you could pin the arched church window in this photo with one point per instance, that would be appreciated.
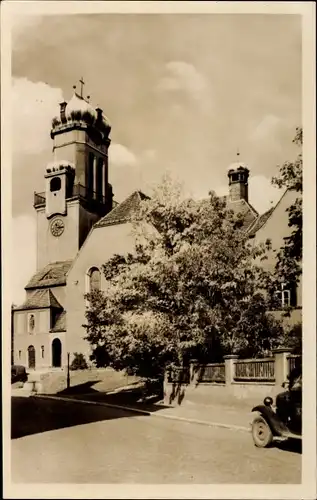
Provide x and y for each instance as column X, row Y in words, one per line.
column 94, row 279
column 55, row 184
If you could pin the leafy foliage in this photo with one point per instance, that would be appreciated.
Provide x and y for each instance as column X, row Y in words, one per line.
column 289, row 258
column 293, row 338
column 190, row 289
column 79, row 362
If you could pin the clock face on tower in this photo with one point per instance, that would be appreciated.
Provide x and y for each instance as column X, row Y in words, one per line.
column 57, row 227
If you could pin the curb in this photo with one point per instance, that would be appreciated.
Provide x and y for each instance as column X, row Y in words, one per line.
column 148, row 413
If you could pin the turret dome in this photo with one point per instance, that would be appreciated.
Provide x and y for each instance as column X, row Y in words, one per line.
column 79, row 112
column 238, row 165
column 79, row 106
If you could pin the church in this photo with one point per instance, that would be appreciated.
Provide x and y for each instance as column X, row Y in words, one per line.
column 80, row 226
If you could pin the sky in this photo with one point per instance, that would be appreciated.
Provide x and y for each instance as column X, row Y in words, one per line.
column 183, row 94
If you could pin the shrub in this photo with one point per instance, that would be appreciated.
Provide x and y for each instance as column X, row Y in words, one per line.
column 79, row 362
column 293, row 338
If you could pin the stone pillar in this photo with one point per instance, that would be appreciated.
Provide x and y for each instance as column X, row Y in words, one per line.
column 280, row 366
column 95, row 178
column 229, row 367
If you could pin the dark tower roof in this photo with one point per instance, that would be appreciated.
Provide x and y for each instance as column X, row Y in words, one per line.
column 79, row 113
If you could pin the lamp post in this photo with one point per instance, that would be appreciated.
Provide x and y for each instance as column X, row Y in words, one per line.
column 68, row 376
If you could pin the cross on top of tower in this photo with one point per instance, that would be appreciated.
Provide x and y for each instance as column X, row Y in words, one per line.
column 82, row 83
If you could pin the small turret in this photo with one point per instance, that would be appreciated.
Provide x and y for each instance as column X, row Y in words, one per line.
column 238, row 175
column 59, row 186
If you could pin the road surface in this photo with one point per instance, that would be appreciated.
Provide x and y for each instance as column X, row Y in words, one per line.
column 67, row 442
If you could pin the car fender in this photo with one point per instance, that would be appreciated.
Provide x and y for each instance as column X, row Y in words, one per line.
column 276, row 425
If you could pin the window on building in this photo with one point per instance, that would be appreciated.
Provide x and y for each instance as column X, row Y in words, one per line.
column 20, row 323
column 286, row 296
column 31, row 323
column 42, row 350
column 20, row 354
column 94, row 279
column 55, row 184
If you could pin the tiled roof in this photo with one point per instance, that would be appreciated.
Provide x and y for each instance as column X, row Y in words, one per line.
column 60, row 323
column 51, row 275
column 122, row 212
column 40, row 299
column 245, row 209
column 260, row 221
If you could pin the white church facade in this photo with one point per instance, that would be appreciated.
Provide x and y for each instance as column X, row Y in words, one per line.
column 79, row 227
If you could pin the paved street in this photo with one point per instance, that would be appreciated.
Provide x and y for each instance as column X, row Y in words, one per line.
column 67, row 442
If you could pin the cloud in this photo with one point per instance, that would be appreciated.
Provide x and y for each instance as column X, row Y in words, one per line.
column 34, row 104
column 262, row 194
column 267, row 128
column 183, row 79
column 125, row 169
column 120, row 156
column 182, row 76
column 23, row 255
column 148, row 156
column 130, row 171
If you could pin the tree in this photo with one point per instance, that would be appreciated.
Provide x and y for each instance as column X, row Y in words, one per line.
column 289, row 258
column 190, row 289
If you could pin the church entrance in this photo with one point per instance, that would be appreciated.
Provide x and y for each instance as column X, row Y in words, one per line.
column 56, row 353
column 31, row 356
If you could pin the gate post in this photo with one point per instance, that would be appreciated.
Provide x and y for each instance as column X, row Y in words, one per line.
column 229, row 368
column 281, row 368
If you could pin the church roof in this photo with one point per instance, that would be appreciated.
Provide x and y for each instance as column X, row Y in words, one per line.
column 60, row 323
column 53, row 274
column 249, row 214
column 40, row 299
column 260, row 221
column 124, row 211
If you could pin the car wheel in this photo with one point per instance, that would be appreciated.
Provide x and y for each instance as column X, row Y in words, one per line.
column 261, row 433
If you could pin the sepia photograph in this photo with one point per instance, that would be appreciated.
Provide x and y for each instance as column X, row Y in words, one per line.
column 158, row 177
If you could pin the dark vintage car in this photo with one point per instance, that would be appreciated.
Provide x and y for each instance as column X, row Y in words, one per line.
column 18, row 374
column 284, row 420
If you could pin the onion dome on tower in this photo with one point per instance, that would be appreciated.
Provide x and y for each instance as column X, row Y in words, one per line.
column 80, row 113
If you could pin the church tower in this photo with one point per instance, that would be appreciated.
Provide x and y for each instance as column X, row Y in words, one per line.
column 238, row 175
column 77, row 192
